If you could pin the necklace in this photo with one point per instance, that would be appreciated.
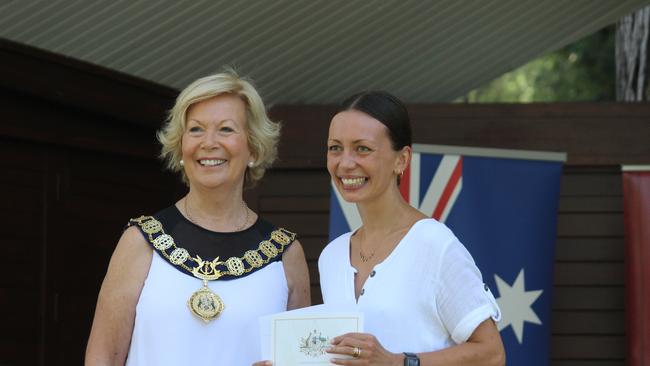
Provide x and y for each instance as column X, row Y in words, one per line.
column 366, row 258
column 238, row 228
column 204, row 303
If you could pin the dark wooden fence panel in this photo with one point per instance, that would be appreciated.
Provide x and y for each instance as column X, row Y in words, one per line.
column 588, row 310
column 97, row 194
column 63, row 211
column 299, row 200
column 22, row 202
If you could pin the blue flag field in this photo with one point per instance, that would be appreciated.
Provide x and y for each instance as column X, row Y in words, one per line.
column 502, row 205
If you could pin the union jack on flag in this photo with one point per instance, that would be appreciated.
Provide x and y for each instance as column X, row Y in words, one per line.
column 502, row 205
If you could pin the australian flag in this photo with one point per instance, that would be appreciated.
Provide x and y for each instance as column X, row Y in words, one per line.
column 502, row 205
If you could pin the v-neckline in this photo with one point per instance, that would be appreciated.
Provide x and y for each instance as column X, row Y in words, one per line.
column 353, row 270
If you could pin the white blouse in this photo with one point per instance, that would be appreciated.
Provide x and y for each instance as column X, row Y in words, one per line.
column 167, row 333
column 426, row 295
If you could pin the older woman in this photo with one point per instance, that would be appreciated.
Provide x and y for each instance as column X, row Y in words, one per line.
column 188, row 284
column 423, row 297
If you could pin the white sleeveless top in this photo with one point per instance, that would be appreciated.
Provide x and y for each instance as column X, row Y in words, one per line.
column 425, row 296
column 167, row 333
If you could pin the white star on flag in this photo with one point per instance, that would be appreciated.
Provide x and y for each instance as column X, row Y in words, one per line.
column 515, row 303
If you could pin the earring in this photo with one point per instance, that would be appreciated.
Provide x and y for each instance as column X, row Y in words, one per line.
column 250, row 164
column 182, row 163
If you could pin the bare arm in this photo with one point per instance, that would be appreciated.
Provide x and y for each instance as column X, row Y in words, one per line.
column 295, row 269
column 484, row 347
column 110, row 335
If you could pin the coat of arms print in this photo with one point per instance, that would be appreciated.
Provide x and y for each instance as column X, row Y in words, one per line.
column 314, row 344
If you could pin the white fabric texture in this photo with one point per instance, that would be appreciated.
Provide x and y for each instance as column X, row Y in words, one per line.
column 426, row 295
column 167, row 333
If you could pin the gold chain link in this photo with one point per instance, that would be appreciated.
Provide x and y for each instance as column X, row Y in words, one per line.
column 282, row 237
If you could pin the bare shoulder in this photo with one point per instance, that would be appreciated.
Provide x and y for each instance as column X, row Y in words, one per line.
column 133, row 236
column 294, row 253
column 127, row 270
column 132, row 241
column 132, row 255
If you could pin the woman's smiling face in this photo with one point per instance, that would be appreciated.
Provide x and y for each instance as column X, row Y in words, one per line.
column 215, row 142
column 360, row 156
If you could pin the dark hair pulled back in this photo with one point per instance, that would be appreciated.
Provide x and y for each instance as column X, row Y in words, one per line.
column 385, row 108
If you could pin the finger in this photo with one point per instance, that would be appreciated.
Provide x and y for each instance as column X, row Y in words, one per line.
column 359, row 336
column 263, row 363
column 353, row 342
column 346, row 361
column 338, row 339
column 341, row 350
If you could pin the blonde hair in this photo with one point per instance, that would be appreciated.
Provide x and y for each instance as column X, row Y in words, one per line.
column 263, row 134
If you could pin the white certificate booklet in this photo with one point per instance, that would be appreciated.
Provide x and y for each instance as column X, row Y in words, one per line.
column 300, row 337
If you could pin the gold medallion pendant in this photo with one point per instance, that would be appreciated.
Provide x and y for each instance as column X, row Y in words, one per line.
column 205, row 304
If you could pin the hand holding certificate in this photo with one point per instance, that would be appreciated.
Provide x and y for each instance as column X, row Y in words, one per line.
column 300, row 337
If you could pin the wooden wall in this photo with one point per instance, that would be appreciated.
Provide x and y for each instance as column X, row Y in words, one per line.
column 588, row 305
column 62, row 211
column 79, row 159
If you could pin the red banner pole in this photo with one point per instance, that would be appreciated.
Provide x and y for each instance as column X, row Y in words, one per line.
column 636, row 208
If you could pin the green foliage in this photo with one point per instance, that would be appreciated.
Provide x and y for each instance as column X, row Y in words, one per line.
column 582, row 71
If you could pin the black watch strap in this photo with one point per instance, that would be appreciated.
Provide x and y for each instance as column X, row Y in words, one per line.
column 411, row 359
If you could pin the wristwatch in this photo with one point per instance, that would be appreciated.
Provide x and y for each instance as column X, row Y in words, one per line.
column 411, row 359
